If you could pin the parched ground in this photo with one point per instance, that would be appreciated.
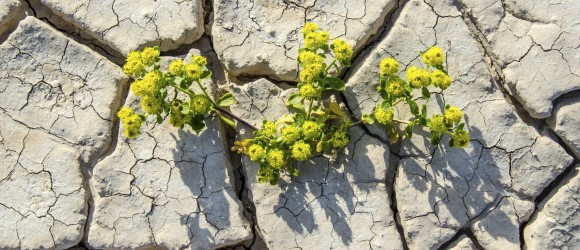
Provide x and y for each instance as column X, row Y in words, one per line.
column 68, row 178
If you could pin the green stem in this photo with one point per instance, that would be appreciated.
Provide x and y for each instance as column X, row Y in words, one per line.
column 220, row 109
column 354, row 124
column 205, row 93
column 329, row 66
column 237, row 118
column 401, row 121
column 309, row 109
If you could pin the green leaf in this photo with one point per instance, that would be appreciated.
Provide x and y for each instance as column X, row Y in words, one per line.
column 293, row 99
column 159, row 119
column 205, row 74
column 424, row 110
column 409, row 131
column 335, row 108
column 178, row 80
column 227, row 121
column 435, row 138
column 413, row 106
column 226, row 100
column 185, row 108
column 368, row 118
column 346, row 63
column 197, row 123
column 386, row 105
column 460, row 126
column 299, row 119
column 393, row 134
column 425, row 93
column 163, row 93
column 335, row 83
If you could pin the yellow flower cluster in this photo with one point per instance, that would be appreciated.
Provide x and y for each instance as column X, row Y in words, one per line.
column 316, row 39
column 311, row 130
column 276, row 158
column 176, row 67
column 176, row 117
column 301, row 151
column 269, row 128
column 340, row 138
column 151, row 104
column 307, row 58
column 290, row 134
column 453, row 114
column 131, row 121
column 149, row 56
column 256, row 152
column 438, row 124
column 134, row 66
column 396, row 87
column 138, row 61
column 418, row 77
column 149, row 85
column 384, row 117
column 200, row 104
column 440, row 79
column 433, row 56
column 460, row 139
column 308, row 91
column 388, row 66
column 342, row 50
column 309, row 28
column 311, row 72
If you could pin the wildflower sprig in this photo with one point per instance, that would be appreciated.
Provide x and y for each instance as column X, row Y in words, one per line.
column 313, row 126
column 395, row 90
column 154, row 87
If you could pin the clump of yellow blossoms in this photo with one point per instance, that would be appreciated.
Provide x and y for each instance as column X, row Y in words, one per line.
column 151, row 85
column 131, row 121
column 293, row 137
column 395, row 90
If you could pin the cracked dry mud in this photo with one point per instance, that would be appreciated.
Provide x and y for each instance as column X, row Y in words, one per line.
column 69, row 178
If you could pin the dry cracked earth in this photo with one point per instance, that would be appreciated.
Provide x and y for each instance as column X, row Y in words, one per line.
column 69, row 179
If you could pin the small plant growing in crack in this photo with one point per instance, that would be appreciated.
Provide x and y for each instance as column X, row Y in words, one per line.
column 313, row 126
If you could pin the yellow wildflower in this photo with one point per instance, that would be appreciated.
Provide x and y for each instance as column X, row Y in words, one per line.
column 440, row 79
column 276, row 158
column 417, row 77
column 307, row 58
column 151, row 104
column 453, row 114
column 433, row 56
column 316, row 40
column 176, row 67
column 200, row 104
column 149, row 56
column 308, row 91
column 309, row 28
column 460, row 139
column 193, row 71
column 290, row 134
column 389, row 66
column 269, row 128
column 256, row 152
column 384, row 116
column 438, row 124
column 342, row 50
column 301, row 151
column 311, row 130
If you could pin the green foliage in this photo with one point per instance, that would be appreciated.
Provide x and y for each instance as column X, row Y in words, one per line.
column 313, row 126
column 154, row 85
column 395, row 90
